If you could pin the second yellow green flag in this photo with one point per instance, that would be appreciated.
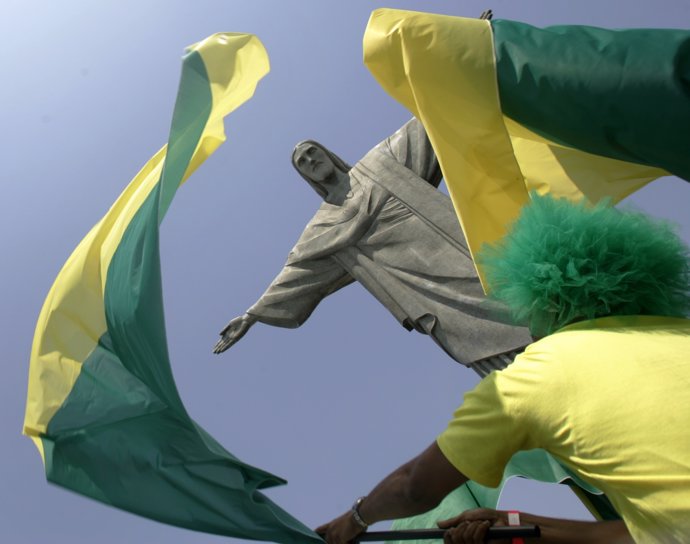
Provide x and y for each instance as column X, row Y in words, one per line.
column 510, row 108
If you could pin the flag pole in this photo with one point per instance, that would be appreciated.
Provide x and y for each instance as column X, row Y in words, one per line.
column 494, row 533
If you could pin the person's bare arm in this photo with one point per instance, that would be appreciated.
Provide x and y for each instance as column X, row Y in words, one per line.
column 417, row 486
column 470, row 527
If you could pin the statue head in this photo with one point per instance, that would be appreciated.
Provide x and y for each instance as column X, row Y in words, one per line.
column 318, row 165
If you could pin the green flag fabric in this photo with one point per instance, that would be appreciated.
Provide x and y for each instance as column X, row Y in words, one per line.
column 622, row 94
column 102, row 405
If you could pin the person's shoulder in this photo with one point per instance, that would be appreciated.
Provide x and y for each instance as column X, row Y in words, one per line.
column 545, row 361
column 572, row 342
column 621, row 326
column 531, row 371
column 589, row 342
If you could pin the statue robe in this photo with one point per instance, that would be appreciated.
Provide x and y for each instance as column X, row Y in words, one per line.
column 399, row 237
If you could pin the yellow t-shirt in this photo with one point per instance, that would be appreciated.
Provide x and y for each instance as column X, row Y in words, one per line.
column 608, row 397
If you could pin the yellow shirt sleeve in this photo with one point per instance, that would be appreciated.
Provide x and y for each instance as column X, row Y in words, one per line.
column 497, row 419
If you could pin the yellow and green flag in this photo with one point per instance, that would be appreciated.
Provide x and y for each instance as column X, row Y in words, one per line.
column 102, row 404
column 509, row 108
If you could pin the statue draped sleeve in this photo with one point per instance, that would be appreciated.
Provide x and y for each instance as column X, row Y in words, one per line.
column 297, row 290
column 411, row 148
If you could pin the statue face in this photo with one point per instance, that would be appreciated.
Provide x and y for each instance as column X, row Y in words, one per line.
column 313, row 162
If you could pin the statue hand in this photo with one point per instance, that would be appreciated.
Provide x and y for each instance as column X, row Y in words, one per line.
column 233, row 331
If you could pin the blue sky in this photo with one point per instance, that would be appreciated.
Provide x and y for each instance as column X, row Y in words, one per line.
column 87, row 96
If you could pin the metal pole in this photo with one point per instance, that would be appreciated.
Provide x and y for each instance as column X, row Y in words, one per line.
column 494, row 533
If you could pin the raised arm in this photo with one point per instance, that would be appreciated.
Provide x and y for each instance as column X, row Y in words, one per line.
column 416, row 487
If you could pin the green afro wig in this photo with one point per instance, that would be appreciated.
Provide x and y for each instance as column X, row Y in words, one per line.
column 563, row 262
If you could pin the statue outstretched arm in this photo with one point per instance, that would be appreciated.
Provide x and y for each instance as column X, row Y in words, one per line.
column 289, row 300
column 297, row 290
column 233, row 332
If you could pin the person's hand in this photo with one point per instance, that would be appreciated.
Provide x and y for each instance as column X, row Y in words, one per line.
column 340, row 530
column 233, row 331
column 471, row 526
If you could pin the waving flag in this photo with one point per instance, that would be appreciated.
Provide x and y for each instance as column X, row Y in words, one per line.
column 102, row 405
column 509, row 108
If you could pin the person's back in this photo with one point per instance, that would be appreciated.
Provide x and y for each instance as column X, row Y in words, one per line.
column 611, row 398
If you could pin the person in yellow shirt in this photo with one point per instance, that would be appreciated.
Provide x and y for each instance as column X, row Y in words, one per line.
column 606, row 389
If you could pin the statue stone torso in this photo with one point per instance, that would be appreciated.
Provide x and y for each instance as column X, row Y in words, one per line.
column 399, row 237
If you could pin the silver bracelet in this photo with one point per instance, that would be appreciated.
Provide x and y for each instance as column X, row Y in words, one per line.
column 356, row 515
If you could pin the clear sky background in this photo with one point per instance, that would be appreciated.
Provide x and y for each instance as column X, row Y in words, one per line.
column 86, row 98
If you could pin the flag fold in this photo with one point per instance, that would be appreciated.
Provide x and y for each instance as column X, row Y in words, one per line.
column 509, row 108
